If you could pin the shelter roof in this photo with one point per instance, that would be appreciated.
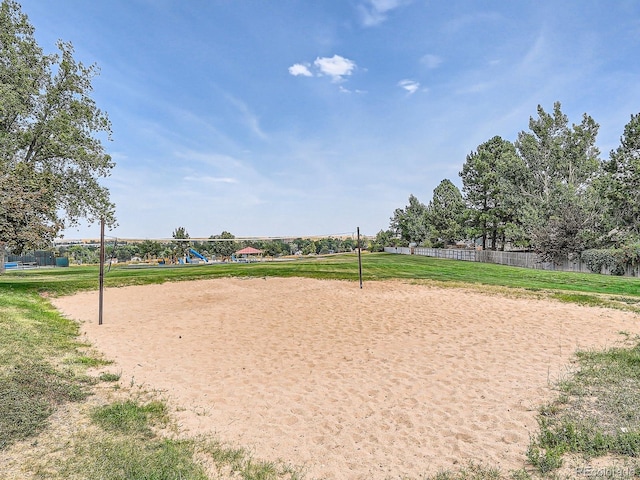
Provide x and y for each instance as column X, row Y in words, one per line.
column 248, row 251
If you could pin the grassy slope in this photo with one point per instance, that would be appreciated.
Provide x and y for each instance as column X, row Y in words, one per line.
column 38, row 353
column 38, row 348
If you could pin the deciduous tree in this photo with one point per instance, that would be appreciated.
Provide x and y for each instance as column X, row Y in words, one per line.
column 384, row 238
column 411, row 222
column 224, row 248
column 51, row 151
column 180, row 248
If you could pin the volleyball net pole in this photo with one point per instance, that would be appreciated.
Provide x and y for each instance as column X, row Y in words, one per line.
column 101, row 294
column 359, row 258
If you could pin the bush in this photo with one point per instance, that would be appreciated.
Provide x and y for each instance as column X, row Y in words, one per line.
column 631, row 254
column 613, row 259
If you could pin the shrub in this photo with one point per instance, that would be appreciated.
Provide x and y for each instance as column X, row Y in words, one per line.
column 613, row 259
column 631, row 254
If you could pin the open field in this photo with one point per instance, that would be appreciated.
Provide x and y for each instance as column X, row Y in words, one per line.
column 344, row 267
column 395, row 379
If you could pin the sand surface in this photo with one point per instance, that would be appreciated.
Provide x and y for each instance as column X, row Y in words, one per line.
column 394, row 379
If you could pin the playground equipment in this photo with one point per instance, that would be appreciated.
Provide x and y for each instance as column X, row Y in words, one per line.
column 197, row 254
column 20, row 265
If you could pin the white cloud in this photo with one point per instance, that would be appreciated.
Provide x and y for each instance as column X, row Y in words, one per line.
column 410, row 86
column 298, row 69
column 248, row 117
column 374, row 12
column 431, row 61
column 336, row 67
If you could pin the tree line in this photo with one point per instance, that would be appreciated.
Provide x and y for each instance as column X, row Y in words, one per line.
column 549, row 191
column 221, row 247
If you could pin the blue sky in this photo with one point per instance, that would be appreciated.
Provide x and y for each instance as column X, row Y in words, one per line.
column 292, row 117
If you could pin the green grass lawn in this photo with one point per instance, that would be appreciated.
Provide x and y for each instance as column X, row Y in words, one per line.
column 43, row 366
column 378, row 266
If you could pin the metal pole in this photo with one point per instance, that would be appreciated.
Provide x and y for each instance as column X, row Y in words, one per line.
column 101, row 271
column 359, row 258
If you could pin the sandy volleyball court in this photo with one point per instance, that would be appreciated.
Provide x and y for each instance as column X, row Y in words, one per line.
column 395, row 379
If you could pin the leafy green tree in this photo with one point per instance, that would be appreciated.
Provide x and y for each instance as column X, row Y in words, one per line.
column 180, row 248
column 310, row 248
column 384, row 238
column 51, row 156
column 273, row 248
column 121, row 252
column 26, row 214
column 365, row 242
column 84, row 254
column 224, row 248
column 150, row 249
column 332, row 245
column 563, row 234
column 411, row 223
column 127, row 252
column 348, row 245
column 325, row 245
column 445, row 214
column 621, row 183
column 302, row 245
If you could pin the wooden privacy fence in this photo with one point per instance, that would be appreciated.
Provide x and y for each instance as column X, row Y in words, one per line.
column 514, row 259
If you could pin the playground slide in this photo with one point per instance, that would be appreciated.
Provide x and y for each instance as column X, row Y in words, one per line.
column 200, row 256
